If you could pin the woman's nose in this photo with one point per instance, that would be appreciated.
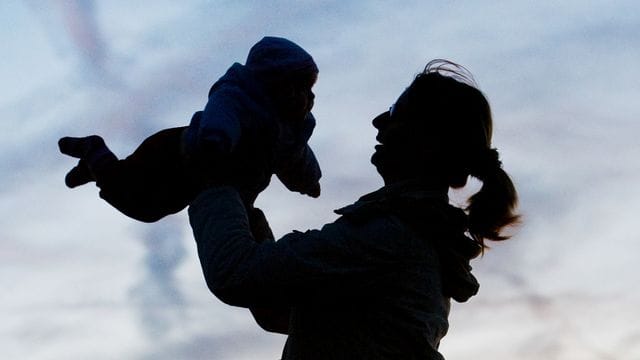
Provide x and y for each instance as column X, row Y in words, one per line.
column 380, row 120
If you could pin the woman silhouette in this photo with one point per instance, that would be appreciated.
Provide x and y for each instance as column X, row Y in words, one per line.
column 377, row 282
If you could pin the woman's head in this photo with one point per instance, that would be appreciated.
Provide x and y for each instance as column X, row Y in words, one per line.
column 440, row 129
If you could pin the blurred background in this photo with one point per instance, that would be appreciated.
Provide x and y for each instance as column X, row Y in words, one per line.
column 80, row 280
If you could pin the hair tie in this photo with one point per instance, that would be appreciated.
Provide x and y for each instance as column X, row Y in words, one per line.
column 486, row 163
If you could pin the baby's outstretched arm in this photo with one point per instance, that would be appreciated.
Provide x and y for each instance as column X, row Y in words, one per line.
column 298, row 168
column 302, row 173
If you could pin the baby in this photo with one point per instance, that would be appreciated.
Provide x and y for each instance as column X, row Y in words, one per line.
column 256, row 123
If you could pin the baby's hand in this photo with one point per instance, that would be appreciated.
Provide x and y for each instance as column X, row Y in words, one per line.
column 313, row 191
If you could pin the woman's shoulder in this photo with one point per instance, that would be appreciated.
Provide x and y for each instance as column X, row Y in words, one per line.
column 379, row 231
column 376, row 212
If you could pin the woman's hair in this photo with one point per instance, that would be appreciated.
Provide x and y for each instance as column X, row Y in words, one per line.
column 456, row 118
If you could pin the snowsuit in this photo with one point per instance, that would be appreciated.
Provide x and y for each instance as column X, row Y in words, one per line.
column 239, row 134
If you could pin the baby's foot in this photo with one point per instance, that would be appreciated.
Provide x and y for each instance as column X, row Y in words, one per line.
column 81, row 147
column 93, row 153
column 79, row 175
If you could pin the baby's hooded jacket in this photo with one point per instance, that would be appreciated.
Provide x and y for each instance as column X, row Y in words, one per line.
column 240, row 119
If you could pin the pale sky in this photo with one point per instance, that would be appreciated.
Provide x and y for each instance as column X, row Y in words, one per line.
column 80, row 280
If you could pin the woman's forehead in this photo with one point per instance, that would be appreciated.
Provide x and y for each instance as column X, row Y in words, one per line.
column 400, row 105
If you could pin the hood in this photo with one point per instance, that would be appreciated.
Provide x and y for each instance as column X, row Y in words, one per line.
column 272, row 57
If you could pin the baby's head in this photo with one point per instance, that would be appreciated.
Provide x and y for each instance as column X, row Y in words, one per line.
column 288, row 73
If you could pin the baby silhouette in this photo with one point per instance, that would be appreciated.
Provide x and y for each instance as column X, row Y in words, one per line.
column 256, row 123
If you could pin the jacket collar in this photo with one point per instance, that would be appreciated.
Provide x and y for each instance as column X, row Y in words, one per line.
column 410, row 191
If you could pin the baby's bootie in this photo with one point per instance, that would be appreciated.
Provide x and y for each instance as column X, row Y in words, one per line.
column 92, row 152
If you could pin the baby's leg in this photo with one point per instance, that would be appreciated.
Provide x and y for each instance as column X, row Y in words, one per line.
column 93, row 154
column 150, row 183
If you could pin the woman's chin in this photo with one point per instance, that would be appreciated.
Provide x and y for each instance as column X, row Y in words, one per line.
column 376, row 160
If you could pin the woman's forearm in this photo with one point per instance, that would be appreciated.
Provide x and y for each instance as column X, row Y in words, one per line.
column 226, row 247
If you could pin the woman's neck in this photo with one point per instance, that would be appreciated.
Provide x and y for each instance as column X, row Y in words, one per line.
column 434, row 183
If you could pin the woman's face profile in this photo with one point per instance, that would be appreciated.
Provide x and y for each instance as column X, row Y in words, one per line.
column 396, row 140
column 392, row 124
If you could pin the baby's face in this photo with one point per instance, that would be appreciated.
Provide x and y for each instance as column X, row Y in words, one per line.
column 306, row 94
column 300, row 101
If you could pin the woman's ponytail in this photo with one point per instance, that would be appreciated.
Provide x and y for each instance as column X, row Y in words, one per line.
column 457, row 117
column 493, row 207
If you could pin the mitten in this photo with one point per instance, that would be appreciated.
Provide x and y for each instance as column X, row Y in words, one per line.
column 301, row 174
